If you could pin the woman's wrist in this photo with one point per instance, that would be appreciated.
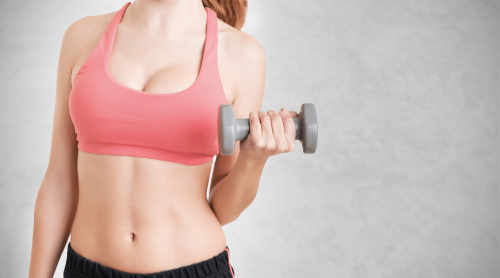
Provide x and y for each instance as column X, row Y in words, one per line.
column 251, row 160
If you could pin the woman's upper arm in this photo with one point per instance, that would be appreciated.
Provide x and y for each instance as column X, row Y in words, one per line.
column 249, row 64
column 62, row 166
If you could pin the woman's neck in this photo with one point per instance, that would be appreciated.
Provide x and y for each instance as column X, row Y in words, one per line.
column 171, row 18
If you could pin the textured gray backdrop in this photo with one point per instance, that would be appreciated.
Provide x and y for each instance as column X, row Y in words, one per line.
column 405, row 180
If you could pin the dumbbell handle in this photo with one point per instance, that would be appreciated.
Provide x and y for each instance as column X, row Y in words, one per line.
column 243, row 129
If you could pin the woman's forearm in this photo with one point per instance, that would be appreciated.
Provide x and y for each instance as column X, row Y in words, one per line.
column 236, row 191
column 55, row 208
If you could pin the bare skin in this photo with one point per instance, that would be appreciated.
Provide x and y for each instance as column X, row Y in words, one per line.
column 143, row 215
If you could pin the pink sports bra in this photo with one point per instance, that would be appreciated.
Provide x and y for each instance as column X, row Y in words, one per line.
column 111, row 118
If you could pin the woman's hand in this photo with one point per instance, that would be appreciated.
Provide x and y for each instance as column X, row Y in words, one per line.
column 270, row 134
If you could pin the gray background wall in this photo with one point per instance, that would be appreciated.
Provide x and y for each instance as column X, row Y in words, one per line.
column 405, row 181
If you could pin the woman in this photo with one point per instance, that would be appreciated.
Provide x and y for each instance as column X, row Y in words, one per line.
column 140, row 88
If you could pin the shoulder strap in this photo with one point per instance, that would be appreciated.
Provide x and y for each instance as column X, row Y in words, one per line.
column 210, row 53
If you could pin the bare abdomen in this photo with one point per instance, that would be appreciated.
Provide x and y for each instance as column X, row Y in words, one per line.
column 144, row 216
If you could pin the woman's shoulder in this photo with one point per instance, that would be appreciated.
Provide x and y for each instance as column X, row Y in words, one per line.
column 239, row 45
column 81, row 37
column 243, row 62
column 90, row 26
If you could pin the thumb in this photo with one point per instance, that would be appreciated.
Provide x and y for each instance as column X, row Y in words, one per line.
column 291, row 113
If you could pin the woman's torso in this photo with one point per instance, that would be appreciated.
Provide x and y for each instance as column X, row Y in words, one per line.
column 144, row 215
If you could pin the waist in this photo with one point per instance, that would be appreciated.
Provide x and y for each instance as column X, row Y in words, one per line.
column 162, row 237
column 143, row 222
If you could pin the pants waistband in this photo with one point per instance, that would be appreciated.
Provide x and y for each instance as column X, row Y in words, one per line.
column 78, row 265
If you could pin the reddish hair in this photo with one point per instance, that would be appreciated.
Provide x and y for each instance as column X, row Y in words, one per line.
column 232, row 12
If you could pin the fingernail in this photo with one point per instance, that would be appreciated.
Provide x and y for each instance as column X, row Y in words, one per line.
column 282, row 109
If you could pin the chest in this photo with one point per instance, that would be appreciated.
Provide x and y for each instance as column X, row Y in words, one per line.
column 160, row 66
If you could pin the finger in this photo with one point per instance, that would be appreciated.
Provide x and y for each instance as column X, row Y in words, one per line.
column 277, row 124
column 286, row 127
column 289, row 127
column 278, row 130
column 292, row 114
column 255, row 128
column 265, row 123
column 289, row 143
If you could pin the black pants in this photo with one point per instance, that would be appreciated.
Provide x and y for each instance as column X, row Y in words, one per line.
column 218, row 266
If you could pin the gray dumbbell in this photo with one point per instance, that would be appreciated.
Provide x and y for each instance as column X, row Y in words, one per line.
column 231, row 129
